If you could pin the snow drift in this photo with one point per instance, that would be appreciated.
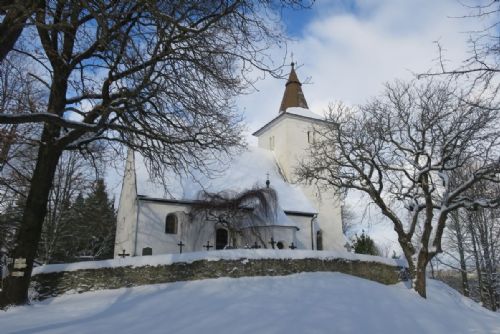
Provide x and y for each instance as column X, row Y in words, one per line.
column 301, row 303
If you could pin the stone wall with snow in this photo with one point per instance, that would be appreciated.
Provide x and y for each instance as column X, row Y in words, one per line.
column 54, row 280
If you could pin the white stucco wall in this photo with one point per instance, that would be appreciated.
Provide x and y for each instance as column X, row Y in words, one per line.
column 151, row 228
column 127, row 210
column 303, row 235
column 290, row 147
column 151, row 231
column 194, row 234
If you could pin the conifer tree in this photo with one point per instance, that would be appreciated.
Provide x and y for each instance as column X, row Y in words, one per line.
column 96, row 224
column 9, row 222
column 67, row 250
column 365, row 245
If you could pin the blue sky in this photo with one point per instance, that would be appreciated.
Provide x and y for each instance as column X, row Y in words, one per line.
column 296, row 21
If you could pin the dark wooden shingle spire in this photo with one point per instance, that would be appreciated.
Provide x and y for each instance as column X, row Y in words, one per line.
column 293, row 96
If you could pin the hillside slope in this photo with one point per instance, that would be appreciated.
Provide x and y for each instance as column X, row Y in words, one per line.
column 302, row 303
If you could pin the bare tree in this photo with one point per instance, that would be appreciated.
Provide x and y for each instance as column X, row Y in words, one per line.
column 473, row 245
column 458, row 233
column 401, row 150
column 156, row 76
column 18, row 93
column 481, row 67
column 485, row 231
column 15, row 15
column 348, row 218
column 246, row 210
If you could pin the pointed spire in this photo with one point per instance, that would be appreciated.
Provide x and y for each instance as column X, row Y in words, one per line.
column 293, row 96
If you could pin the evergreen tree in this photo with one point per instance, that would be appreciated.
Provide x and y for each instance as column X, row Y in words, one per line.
column 68, row 247
column 89, row 229
column 96, row 223
column 365, row 245
column 9, row 223
column 10, row 220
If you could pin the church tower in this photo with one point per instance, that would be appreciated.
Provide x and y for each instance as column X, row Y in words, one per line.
column 289, row 136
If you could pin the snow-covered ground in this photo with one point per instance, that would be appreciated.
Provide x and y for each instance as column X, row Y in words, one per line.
column 302, row 303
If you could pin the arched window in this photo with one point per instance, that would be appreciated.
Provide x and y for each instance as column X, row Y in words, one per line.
column 171, row 224
column 319, row 240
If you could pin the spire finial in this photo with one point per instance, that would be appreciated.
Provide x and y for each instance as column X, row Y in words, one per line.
column 267, row 180
column 293, row 63
column 293, row 96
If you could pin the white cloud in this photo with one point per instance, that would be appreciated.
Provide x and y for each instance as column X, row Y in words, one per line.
column 349, row 55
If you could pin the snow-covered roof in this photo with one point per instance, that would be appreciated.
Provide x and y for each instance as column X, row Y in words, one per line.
column 296, row 112
column 244, row 171
column 304, row 113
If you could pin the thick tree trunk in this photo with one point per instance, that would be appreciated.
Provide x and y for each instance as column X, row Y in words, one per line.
column 15, row 290
column 420, row 275
column 423, row 255
column 408, row 253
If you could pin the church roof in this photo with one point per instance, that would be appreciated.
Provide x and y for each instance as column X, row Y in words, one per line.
column 244, row 171
column 294, row 112
column 293, row 96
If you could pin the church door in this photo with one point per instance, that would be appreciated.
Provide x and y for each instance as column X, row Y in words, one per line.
column 221, row 238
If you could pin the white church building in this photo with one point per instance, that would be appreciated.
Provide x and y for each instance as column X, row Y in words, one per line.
column 151, row 220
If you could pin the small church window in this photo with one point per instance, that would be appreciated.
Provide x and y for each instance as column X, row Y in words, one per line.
column 147, row 251
column 171, row 224
column 310, row 137
column 280, row 245
column 319, row 240
column 271, row 143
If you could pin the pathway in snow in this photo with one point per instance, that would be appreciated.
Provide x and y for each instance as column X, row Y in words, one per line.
column 302, row 303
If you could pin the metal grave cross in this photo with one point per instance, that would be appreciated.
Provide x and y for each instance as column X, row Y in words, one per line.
column 255, row 245
column 272, row 242
column 292, row 246
column 122, row 254
column 208, row 246
column 181, row 244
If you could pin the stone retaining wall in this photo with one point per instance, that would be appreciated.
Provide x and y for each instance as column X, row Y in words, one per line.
column 53, row 284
